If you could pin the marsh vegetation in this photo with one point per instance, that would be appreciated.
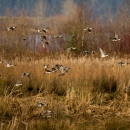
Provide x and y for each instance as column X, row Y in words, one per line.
column 92, row 95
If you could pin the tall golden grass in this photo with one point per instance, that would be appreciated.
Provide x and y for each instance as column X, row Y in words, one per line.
column 88, row 96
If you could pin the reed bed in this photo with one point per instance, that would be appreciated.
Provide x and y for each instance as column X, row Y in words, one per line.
column 91, row 95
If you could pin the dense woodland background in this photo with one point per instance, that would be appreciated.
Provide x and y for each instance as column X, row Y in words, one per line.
column 99, row 6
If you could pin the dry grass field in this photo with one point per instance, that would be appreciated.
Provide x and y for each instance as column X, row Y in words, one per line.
column 90, row 96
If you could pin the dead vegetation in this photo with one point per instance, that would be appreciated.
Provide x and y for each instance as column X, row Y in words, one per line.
column 92, row 92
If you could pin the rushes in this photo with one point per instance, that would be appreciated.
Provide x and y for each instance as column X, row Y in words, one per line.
column 91, row 91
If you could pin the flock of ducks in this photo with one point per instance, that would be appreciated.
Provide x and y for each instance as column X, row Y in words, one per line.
column 43, row 37
column 62, row 69
column 45, row 40
column 9, row 64
column 19, row 82
column 86, row 53
column 57, row 67
column 46, row 113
